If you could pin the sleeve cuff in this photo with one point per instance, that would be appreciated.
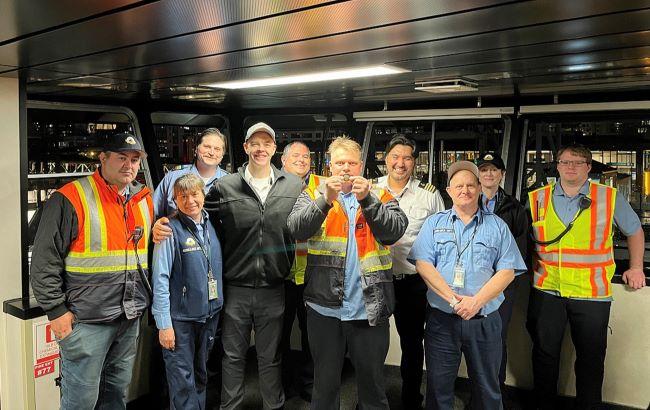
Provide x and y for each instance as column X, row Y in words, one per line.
column 322, row 204
column 57, row 312
column 163, row 321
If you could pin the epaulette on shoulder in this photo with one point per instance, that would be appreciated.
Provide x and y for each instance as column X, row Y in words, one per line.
column 427, row 187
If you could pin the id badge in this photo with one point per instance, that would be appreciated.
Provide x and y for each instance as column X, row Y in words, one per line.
column 459, row 276
column 212, row 289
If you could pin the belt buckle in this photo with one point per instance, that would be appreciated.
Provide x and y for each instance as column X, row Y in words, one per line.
column 399, row 276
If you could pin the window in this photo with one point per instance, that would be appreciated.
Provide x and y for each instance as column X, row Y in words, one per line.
column 176, row 136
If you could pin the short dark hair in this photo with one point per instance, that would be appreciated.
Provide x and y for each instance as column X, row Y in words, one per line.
column 211, row 131
column 400, row 139
column 578, row 150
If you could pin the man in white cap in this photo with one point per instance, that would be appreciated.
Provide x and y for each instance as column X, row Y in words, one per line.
column 467, row 257
column 249, row 210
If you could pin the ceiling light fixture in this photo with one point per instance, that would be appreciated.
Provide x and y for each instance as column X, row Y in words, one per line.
column 310, row 78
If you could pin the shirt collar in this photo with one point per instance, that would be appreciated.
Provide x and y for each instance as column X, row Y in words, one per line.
column 478, row 215
column 558, row 191
column 412, row 184
column 249, row 177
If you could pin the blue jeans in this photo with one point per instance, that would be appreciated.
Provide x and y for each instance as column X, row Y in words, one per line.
column 447, row 336
column 187, row 375
column 97, row 364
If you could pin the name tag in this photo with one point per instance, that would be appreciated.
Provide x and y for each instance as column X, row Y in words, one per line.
column 440, row 230
column 213, row 293
column 459, row 276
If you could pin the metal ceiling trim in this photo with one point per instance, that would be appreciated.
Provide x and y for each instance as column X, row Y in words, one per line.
column 585, row 107
column 433, row 114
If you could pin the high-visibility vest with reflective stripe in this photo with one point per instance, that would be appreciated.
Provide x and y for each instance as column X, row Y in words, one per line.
column 105, row 225
column 331, row 240
column 300, row 261
column 581, row 264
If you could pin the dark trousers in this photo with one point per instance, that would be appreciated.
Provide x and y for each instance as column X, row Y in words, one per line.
column 367, row 347
column 186, row 365
column 447, row 336
column 246, row 309
column 589, row 320
column 410, row 316
column 505, row 311
column 295, row 306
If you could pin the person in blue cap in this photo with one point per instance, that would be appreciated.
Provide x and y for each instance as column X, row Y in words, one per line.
column 467, row 257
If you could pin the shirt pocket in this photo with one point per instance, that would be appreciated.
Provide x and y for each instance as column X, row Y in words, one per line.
column 445, row 247
column 485, row 253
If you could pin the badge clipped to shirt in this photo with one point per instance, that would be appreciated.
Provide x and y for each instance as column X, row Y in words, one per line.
column 213, row 293
column 459, row 276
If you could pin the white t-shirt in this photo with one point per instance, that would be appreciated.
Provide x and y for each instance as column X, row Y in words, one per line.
column 261, row 186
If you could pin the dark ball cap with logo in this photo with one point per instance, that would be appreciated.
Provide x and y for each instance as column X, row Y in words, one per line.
column 123, row 142
column 490, row 158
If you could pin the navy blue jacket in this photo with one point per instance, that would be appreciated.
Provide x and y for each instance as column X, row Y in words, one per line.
column 188, row 283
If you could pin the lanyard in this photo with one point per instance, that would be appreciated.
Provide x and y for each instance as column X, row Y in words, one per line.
column 458, row 250
column 205, row 246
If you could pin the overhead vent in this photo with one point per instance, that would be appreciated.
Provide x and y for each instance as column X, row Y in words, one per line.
column 456, row 85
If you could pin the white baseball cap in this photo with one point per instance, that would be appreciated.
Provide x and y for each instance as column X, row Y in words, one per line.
column 260, row 127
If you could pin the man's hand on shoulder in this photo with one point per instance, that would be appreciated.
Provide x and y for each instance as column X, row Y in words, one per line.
column 161, row 230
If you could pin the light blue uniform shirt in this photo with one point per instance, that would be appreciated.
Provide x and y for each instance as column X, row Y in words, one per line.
column 492, row 248
column 163, row 196
column 162, row 261
column 353, row 306
column 491, row 203
column 566, row 208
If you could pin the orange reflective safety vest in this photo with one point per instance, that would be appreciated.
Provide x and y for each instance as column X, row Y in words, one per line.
column 581, row 264
column 105, row 224
column 300, row 260
column 331, row 241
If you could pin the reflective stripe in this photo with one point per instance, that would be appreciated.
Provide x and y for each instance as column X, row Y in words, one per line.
column 144, row 211
column 116, row 261
column 92, row 227
column 328, row 246
column 599, row 282
column 577, row 258
column 376, row 261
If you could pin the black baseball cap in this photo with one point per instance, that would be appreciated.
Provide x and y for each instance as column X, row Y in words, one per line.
column 490, row 158
column 122, row 142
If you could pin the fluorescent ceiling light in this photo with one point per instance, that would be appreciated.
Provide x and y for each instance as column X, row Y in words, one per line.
column 310, row 78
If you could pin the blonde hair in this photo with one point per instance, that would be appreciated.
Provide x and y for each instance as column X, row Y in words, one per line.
column 188, row 183
column 345, row 144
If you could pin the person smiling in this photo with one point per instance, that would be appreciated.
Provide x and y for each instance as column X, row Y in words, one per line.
column 210, row 149
column 467, row 257
column 188, row 294
column 249, row 210
column 418, row 200
column 494, row 199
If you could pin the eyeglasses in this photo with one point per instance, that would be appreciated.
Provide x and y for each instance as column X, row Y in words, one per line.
column 571, row 163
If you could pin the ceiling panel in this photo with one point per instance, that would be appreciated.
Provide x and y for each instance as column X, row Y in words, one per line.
column 167, row 49
column 282, row 30
column 150, row 22
column 21, row 18
column 261, row 48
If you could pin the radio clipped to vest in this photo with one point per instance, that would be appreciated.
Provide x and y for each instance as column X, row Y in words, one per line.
column 584, row 204
column 136, row 235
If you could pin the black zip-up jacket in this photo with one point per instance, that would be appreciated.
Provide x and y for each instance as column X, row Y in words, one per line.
column 514, row 215
column 258, row 249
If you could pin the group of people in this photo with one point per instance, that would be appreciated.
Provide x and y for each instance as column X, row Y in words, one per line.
column 254, row 249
